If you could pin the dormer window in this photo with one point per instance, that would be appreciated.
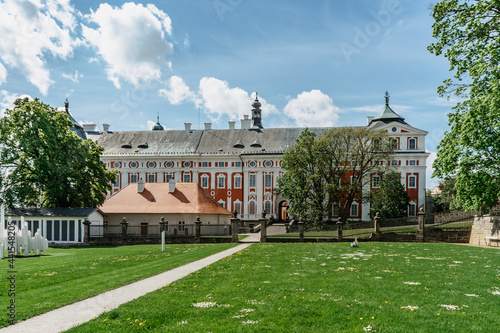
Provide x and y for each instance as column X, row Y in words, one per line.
column 144, row 145
column 239, row 144
column 127, row 145
column 256, row 144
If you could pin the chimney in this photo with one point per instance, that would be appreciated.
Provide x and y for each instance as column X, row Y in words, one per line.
column 369, row 119
column 90, row 127
column 232, row 125
column 171, row 185
column 105, row 128
column 208, row 126
column 140, row 186
column 187, row 126
column 246, row 123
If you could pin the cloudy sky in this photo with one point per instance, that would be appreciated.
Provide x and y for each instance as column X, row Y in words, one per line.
column 313, row 63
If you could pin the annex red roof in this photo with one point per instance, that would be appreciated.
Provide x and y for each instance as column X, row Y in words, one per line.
column 188, row 198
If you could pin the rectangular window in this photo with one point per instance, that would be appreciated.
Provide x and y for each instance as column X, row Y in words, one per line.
column 413, row 162
column 133, row 178
column 237, row 164
column 394, row 144
column 237, row 182
column 221, row 164
column 412, row 182
column 187, row 178
column 182, row 225
column 204, row 182
column 354, row 209
column 167, row 178
column 64, row 225
column 49, row 230
column 252, row 181
column 117, row 181
column 72, row 231
column 394, row 162
column 221, row 182
column 57, row 230
column 152, row 178
column 237, row 207
column 412, row 209
column 376, row 181
column 204, row 164
column 268, row 180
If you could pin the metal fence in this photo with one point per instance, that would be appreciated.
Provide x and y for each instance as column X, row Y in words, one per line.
column 152, row 231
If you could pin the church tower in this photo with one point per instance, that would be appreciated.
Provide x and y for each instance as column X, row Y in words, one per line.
column 256, row 114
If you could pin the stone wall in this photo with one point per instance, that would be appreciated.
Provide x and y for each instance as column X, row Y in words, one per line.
column 483, row 227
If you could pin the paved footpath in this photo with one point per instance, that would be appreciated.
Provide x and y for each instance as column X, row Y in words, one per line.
column 71, row 315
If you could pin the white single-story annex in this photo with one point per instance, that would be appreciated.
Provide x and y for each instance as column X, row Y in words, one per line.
column 58, row 225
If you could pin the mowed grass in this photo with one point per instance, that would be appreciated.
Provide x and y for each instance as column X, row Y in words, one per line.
column 62, row 276
column 325, row 287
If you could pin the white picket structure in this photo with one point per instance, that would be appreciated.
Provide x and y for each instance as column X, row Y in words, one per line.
column 23, row 242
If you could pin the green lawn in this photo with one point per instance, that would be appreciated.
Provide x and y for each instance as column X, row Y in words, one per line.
column 325, row 287
column 62, row 276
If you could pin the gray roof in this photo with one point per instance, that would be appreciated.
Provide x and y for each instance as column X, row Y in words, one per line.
column 149, row 142
column 201, row 142
column 388, row 115
column 66, row 212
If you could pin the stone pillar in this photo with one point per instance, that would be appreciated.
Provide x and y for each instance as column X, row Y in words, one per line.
column 86, row 231
column 376, row 226
column 197, row 237
column 124, row 224
column 162, row 224
column 301, row 230
column 340, row 224
column 421, row 226
column 263, row 227
column 235, row 227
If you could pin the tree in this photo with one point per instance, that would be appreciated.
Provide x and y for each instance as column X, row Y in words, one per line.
column 301, row 183
column 331, row 170
column 391, row 199
column 468, row 34
column 45, row 164
column 446, row 200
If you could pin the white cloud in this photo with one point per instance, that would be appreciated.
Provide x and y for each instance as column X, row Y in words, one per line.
column 131, row 40
column 75, row 77
column 218, row 99
column 178, row 91
column 7, row 101
column 312, row 108
column 3, row 74
column 30, row 30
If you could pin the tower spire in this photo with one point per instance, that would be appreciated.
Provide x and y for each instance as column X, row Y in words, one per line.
column 387, row 98
column 256, row 113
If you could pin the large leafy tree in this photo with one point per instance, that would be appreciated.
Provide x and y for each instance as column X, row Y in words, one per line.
column 446, row 200
column 391, row 199
column 468, row 35
column 333, row 169
column 45, row 164
column 301, row 183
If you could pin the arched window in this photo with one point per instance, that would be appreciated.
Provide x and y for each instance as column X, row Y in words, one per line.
column 412, row 143
column 251, row 207
column 267, row 207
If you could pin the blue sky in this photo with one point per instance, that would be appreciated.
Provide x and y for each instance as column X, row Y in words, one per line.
column 314, row 63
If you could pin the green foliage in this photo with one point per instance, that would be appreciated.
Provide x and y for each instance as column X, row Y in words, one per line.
column 331, row 170
column 446, row 200
column 391, row 199
column 468, row 35
column 45, row 164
